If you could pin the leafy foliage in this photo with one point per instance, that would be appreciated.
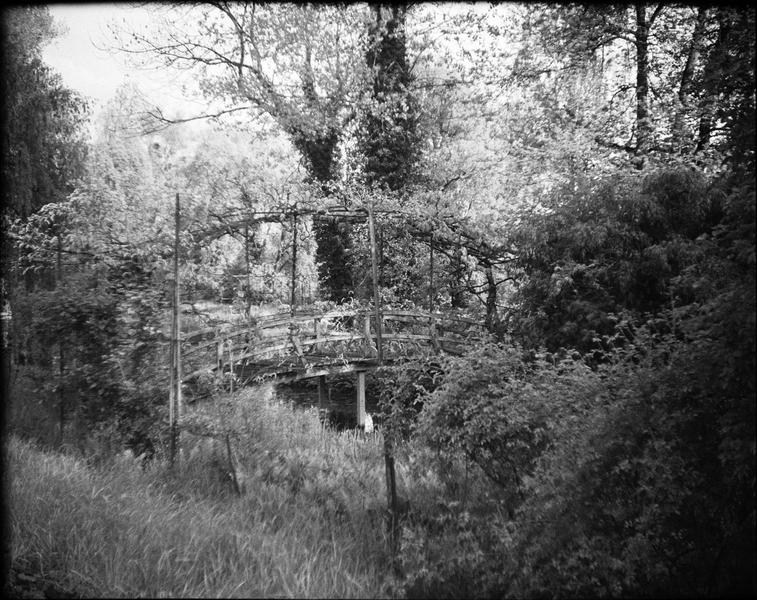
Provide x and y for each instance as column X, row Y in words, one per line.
column 501, row 409
column 389, row 138
column 42, row 121
column 655, row 495
column 616, row 248
column 636, row 477
column 108, row 328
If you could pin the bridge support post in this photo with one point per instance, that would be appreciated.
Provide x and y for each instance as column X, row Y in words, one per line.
column 361, row 398
column 321, row 390
column 434, row 334
column 219, row 356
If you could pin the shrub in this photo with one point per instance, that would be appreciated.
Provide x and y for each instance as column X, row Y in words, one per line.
column 98, row 337
column 616, row 248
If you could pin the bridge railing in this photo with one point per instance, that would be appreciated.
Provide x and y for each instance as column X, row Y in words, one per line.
column 310, row 337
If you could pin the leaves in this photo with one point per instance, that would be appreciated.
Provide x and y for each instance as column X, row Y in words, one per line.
column 43, row 121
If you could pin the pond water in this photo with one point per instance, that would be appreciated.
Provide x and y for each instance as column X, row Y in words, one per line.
column 338, row 403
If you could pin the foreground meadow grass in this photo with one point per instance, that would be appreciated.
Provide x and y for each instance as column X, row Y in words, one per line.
column 309, row 523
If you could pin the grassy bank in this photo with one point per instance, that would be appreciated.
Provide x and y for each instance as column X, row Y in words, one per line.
column 308, row 524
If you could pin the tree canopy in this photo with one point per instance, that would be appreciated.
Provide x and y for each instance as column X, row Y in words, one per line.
column 44, row 145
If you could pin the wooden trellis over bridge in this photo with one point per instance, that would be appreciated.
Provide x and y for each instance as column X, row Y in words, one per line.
column 314, row 345
column 289, row 348
column 296, row 346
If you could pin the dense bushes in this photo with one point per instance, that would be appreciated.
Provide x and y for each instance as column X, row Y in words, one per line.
column 628, row 469
column 656, row 495
column 96, row 340
column 619, row 246
column 501, row 411
column 636, row 478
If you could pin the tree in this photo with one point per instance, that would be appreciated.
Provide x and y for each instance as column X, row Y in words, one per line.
column 43, row 152
column 680, row 133
column 103, row 317
column 43, row 130
column 388, row 136
column 728, row 87
column 611, row 495
column 422, row 120
column 295, row 63
column 680, row 79
column 43, row 133
column 611, row 250
column 388, row 141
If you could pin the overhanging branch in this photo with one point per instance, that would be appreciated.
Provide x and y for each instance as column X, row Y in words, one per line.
column 157, row 115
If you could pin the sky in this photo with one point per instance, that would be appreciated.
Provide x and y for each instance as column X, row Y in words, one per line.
column 79, row 56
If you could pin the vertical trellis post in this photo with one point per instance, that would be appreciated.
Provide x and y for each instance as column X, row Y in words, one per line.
column 174, row 399
column 431, row 322
column 231, row 366
column 294, row 261
column 248, row 289
column 61, row 391
column 376, row 294
column 431, row 273
column 381, row 254
column 391, row 478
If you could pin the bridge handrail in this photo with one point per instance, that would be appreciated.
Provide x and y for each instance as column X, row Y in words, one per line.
column 272, row 320
column 310, row 338
column 437, row 316
column 283, row 342
column 278, row 319
column 257, row 344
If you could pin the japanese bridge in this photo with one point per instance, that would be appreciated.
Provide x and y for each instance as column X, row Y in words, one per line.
column 287, row 347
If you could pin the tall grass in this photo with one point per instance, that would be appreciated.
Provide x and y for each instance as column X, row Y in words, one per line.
column 308, row 524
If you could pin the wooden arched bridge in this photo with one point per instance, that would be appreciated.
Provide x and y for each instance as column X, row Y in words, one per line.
column 302, row 344
column 310, row 344
column 286, row 347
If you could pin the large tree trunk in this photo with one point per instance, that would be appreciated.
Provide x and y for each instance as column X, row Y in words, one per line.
column 643, row 125
column 457, row 297
column 389, row 152
column 492, row 318
column 681, row 134
column 389, row 148
column 333, row 256
column 333, row 242
column 713, row 74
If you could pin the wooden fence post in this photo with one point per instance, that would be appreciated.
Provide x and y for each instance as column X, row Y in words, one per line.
column 391, row 478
